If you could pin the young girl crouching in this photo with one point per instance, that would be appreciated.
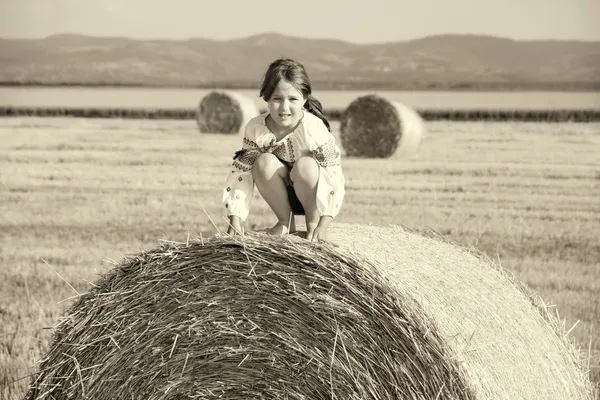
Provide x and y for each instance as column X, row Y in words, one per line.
column 290, row 155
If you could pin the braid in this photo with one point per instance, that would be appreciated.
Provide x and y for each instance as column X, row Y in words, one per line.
column 314, row 107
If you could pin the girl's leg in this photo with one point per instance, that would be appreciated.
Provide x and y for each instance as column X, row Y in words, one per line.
column 305, row 176
column 269, row 176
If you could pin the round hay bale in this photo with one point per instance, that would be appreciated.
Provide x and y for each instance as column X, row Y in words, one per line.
column 281, row 318
column 375, row 127
column 502, row 334
column 225, row 112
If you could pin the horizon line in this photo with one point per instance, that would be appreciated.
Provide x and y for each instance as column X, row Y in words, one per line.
column 271, row 33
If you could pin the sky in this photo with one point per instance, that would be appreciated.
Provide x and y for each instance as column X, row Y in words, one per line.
column 357, row 21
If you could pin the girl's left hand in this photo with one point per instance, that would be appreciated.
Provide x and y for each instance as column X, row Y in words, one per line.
column 319, row 234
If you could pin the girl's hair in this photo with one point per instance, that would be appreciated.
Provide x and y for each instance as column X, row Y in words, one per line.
column 293, row 72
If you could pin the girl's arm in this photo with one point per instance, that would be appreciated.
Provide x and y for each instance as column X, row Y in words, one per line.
column 331, row 186
column 239, row 185
column 235, row 225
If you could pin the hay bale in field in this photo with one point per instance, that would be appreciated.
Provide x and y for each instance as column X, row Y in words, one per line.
column 501, row 333
column 225, row 112
column 375, row 127
column 263, row 317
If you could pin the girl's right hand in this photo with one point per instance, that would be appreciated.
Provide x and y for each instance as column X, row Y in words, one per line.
column 235, row 226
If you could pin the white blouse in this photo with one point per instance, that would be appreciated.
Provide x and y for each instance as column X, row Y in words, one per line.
column 310, row 138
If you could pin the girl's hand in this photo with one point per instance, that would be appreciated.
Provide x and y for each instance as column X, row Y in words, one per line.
column 235, row 231
column 320, row 232
column 235, row 226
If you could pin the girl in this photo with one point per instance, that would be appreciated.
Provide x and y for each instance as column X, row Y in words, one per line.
column 290, row 155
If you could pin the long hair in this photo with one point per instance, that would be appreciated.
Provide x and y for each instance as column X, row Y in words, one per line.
column 295, row 73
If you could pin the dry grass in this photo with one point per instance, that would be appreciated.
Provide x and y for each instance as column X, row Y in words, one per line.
column 496, row 328
column 412, row 317
column 229, row 318
column 74, row 192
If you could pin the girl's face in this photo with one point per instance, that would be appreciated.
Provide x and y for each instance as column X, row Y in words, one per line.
column 285, row 105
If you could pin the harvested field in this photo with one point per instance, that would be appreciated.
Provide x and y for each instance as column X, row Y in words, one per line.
column 76, row 192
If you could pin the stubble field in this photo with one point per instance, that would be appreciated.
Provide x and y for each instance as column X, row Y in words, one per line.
column 78, row 193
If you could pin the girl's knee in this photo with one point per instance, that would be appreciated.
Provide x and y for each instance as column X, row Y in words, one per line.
column 266, row 164
column 305, row 169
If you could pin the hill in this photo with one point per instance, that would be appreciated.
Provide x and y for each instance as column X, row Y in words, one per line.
column 453, row 61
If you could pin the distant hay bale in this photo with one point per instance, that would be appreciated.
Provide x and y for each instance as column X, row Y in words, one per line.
column 374, row 127
column 225, row 112
column 402, row 317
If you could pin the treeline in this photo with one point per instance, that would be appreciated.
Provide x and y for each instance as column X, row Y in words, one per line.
column 565, row 115
column 338, row 85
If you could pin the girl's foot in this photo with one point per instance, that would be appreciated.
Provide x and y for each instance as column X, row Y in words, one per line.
column 281, row 229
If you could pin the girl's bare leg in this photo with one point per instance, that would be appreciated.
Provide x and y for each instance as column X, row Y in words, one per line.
column 305, row 176
column 269, row 176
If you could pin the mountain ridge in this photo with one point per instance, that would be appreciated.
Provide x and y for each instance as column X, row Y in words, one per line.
column 435, row 61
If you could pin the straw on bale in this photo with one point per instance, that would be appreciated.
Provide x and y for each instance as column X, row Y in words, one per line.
column 403, row 317
column 225, row 112
column 373, row 126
